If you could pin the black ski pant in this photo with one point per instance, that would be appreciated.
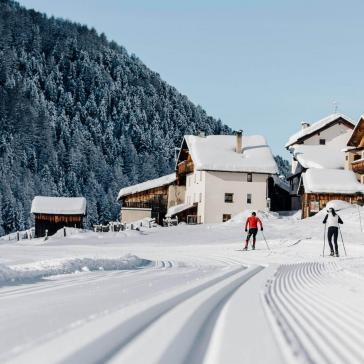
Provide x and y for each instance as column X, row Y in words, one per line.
column 251, row 233
column 333, row 232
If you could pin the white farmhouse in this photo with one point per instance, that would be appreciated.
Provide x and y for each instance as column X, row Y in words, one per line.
column 224, row 175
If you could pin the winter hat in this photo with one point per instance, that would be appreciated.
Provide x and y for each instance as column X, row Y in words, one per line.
column 253, row 213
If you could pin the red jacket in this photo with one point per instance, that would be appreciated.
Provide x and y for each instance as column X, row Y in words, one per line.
column 253, row 222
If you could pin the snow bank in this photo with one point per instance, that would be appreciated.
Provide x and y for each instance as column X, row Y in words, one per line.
column 34, row 271
column 242, row 216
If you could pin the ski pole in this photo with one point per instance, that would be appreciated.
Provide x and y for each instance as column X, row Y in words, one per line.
column 341, row 235
column 265, row 240
column 323, row 251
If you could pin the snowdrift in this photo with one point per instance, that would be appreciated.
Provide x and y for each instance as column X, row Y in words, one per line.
column 35, row 271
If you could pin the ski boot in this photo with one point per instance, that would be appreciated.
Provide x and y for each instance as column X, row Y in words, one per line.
column 245, row 249
column 332, row 253
column 337, row 255
column 253, row 247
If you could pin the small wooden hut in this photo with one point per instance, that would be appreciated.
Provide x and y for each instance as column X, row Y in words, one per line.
column 54, row 213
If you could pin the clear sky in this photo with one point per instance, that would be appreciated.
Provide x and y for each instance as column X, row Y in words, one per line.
column 261, row 66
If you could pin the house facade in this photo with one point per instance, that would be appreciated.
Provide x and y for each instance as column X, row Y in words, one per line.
column 54, row 213
column 224, row 175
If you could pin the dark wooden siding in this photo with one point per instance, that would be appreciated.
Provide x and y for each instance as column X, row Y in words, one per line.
column 53, row 223
column 320, row 200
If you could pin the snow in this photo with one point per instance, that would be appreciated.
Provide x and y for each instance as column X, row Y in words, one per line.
column 328, row 156
column 173, row 210
column 59, row 205
column 23, row 273
column 282, row 183
column 154, row 183
column 315, row 127
column 179, row 294
column 331, row 181
column 217, row 153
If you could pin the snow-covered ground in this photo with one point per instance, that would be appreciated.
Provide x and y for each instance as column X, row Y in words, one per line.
column 185, row 294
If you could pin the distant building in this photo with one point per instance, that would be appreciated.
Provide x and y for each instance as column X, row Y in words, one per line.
column 54, row 213
column 318, row 146
column 319, row 186
column 216, row 177
column 354, row 160
column 150, row 199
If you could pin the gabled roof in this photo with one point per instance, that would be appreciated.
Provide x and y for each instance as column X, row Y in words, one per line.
column 357, row 134
column 319, row 126
column 59, row 205
column 217, row 153
column 154, row 183
column 331, row 181
column 322, row 156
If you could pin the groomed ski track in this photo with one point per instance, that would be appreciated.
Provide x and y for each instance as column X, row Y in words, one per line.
column 203, row 311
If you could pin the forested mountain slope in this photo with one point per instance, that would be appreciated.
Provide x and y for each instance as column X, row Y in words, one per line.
column 80, row 116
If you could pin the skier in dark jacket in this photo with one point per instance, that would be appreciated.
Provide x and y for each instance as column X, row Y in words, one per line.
column 252, row 222
column 332, row 219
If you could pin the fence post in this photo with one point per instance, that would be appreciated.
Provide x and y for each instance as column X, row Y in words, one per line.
column 132, row 226
column 17, row 236
column 46, row 235
column 64, row 231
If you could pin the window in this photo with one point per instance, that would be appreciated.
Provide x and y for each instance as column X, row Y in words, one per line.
column 249, row 177
column 194, row 197
column 322, row 141
column 189, row 180
column 200, row 197
column 195, row 177
column 229, row 197
column 226, row 217
column 356, row 157
column 249, row 198
column 200, row 176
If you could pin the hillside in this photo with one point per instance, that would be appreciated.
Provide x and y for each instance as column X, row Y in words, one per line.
column 80, row 116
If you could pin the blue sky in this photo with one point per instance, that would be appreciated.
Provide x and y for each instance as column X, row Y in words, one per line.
column 261, row 66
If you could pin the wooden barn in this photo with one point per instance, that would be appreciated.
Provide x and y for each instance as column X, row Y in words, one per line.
column 319, row 186
column 54, row 213
column 150, row 199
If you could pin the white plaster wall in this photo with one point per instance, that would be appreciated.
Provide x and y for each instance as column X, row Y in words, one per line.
column 219, row 183
column 129, row 214
column 195, row 190
column 176, row 195
column 327, row 134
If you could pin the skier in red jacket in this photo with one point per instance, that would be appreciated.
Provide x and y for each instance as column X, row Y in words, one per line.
column 252, row 222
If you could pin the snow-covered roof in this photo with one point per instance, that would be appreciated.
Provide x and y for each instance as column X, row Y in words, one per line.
column 357, row 133
column 328, row 156
column 178, row 208
column 331, row 181
column 315, row 127
column 217, row 153
column 59, row 205
column 284, row 185
column 153, row 183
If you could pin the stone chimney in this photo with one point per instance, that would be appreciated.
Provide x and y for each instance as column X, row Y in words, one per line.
column 304, row 124
column 239, row 141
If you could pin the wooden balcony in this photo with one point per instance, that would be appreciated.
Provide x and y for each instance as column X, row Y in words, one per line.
column 358, row 166
column 185, row 167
